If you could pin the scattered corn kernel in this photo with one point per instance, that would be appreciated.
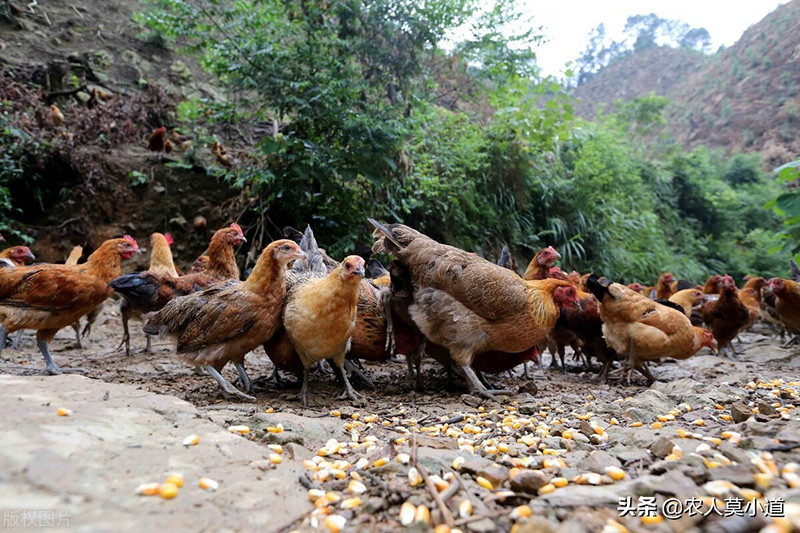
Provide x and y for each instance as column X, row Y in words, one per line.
column 699, row 422
column 335, row 522
column 407, row 513
column 444, row 528
column 315, row 494
column 763, row 481
column 380, row 462
column 403, row 458
column 208, row 484
column 559, row 482
column 356, row 487
column 636, row 425
column 547, row 489
column 612, row 526
column 503, row 447
column 613, row 422
column 523, row 511
column 176, row 479
column 423, row 514
column 438, row 482
column 277, row 448
column 270, row 410
column 792, row 479
column 241, row 430
column 275, row 429
column 191, row 440
column 726, row 418
column 483, row 482
column 652, row 520
column 148, row 489
column 351, row 503
column 465, row 508
column 615, row 472
column 414, row 477
column 63, row 411
column 275, row 459
column 656, row 425
column 168, row 491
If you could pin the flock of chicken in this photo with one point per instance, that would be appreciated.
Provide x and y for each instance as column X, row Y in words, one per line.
column 434, row 300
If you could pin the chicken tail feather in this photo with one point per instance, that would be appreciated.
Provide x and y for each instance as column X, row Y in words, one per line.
column 132, row 286
column 386, row 233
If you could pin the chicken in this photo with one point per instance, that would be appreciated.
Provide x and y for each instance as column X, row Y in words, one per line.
column 641, row 330
column 223, row 323
column 539, row 267
column 200, row 264
column 637, row 287
column 750, row 295
column 663, row 289
column 49, row 297
column 155, row 143
column 507, row 260
column 712, row 284
column 787, row 304
column 56, row 115
column 687, row 299
column 320, row 319
column 16, row 256
column 145, row 292
column 74, row 256
column 72, row 259
column 221, row 154
column 585, row 322
column 725, row 316
column 469, row 305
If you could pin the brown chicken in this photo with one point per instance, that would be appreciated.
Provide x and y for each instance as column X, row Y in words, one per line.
column 223, row 323
column 56, row 115
column 637, row 287
column 320, row 318
column 72, row 259
column 787, row 305
column 50, row 297
column 712, row 284
column 145, row 292
column 200, row 264
column 641, row 330
column 155, row 143
column 539, row 267
column 687, row 299
column 17, row 256
column 750, row 295
column 470, row 305
column 726, row 316
column 664, row 286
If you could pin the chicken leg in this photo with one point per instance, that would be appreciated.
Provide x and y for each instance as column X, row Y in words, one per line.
column 51, row 367
column 349, row 391
column 76, row 327
column 3, row 335
column 17, row 339
column 477, row 387
column 226, row 385
column 244, row 380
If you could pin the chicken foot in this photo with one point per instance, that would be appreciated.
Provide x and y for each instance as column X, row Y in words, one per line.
column 226, row 385
column 3, row 335
column 76, row 327
column 477, row 387
column 16, row 341
column 51, row 367
column 794, row 340
column 353, row 368
column 349, row 391
column 244, row 380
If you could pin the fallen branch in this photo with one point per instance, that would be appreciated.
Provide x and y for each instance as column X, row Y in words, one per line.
column 49, row 97
column 434, row 492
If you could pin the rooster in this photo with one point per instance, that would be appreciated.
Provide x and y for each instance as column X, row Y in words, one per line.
column 470, row 305
column 223, row 323
column 149, row 291
column 641, row 330
column 539, row 267
column 726, row 316
column 49, row 297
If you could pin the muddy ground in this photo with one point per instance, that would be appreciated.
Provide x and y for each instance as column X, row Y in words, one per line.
column 131, row 414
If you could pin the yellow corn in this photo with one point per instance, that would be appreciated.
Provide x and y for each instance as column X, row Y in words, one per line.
column 547, row 489
column 615, row 472
column 175, row 479
column 699, row 422
column 335, row 523
column 442, row 528
column 275, row 459
column 63, row 411
column 414, row 477
column 191, row 440
column 277, row 448
column 652, row 520
column 503, row 447
column 351, row 503
column 270, row 410
column 465, row 508
column 636, row 425
column 523, row 511
column 403, row 458
column 208, row 484
column 356, row 487
column 656, row 425
column 613, row 421
column 241, row 430
column 559, row 482
column 483, row 482
column 275, row 429
column 423, row 514
column 726, row 418
column 314, row 494
column 148, row 489
column 763, row 481
column 168, row 491
column 380, row 462
column 792, row 479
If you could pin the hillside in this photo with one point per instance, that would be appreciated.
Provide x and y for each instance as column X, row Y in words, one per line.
column 743, row 98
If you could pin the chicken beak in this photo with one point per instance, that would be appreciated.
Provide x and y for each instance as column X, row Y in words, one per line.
column 714, row 348
column 30, row 256
column 359, row 271
column 300, row 256
column 242, row 239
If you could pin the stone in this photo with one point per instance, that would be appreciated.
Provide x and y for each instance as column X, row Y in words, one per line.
column 495, row 473
column 529, row 481
column 598, row 461
column 766, row 409
column 536, row 524
column 740, row 412
column 662, row 447
column 529, row 388
column 740, row 475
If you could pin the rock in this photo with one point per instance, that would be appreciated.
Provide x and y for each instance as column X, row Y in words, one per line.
column 373, row 505
column 766, row 409
column 470, row 400
column 740, row 475
column 180, row 72
column 740, row 412
column 587, row 429
column 662, row 447
column 529, row 388
column 536, row 524
column 598, row 461
column 789, row 434
column 82, row 96
column 475, row 464
column 485, row 525
column 495, row 473
column 529, row 481
column 579, row 495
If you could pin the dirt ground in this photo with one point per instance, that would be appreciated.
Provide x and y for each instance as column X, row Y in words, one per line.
column 557, row 429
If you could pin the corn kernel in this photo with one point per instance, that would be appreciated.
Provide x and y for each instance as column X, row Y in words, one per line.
column 423, row 515
column 270, row 410
column 380, row 462
column 523, row 511
column 615, row 472
column 241, row 430
column 315, row 494
column 438, row 482
column 636, row 425
column 191, row 440
column 443, row 528
column 414, row 477
column 483, row 482
column 407, row 513
column 792, row 479
column 503, row 447
column 465, row 508
column 699, row 422
column 63, row 411
column 613, row 422
column 335, row 523
column 403, row 458
column 168, row 491
column 277, row 448
column 175, row 479
column 351, row 503
column 275, row 459
column 656, row 425
column 547, row 489
column 763, row 481
column 148, row 489
column 208, row 484
column 559, row 482
column 356, row 487
column 652, row 520
column 275, row 429
column 612, row 526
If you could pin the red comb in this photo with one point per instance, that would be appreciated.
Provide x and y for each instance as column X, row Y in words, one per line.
column 238, row 228
column 131, row 240
column 169, row 239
